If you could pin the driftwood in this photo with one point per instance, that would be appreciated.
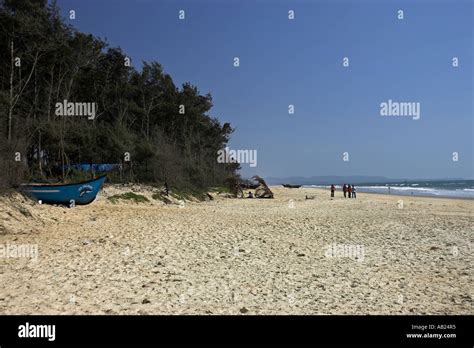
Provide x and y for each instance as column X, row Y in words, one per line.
column 246, row 185
column 262, row 191
column 237, row 185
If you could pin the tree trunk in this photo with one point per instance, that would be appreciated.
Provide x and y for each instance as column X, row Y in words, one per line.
column 50, row 93
column 10, row 109
column 40, row 156
column 14, row 99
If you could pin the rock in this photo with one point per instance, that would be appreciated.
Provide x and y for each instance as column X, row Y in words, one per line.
column 145, row 301
column 243, row 310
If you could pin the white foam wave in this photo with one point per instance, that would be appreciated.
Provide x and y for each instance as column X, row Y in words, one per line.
column 409, row 190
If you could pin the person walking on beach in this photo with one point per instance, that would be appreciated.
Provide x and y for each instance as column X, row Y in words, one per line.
column 344, row 189
column 353, row 192
column 349, row 190
column 333, row 188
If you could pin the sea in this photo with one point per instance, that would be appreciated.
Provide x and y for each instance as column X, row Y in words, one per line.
column 435, row 188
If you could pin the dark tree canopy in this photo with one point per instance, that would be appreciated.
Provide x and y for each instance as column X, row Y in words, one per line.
column 45, row 61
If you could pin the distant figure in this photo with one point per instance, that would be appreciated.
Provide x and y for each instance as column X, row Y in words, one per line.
column 167, row 190
column 349, row 190
column 353, row 192
column 389, row 190
column 344, row 189
column 333, row 188
column 250, row 195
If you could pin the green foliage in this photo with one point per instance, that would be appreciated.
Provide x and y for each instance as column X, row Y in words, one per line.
column 157, row 196
column 129, row 196
column 221, row 189
column 137, row 111
column 189, row 193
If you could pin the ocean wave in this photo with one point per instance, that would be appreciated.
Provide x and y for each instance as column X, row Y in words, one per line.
column 394, row 188
column 413, row 189
column 409, row 190
column 422, row 191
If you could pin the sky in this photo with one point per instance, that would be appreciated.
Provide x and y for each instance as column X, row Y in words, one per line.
column 337, row 127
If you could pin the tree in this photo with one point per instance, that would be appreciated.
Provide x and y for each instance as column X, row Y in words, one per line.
column 137, row 111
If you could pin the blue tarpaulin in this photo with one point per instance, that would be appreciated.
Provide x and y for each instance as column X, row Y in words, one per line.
column 97, row 167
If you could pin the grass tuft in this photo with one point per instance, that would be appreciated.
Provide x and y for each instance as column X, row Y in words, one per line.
column 129, row 196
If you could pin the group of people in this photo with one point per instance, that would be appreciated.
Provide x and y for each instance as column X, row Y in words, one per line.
column 348, row 190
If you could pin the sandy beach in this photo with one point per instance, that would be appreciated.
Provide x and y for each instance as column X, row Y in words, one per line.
column 377, row 254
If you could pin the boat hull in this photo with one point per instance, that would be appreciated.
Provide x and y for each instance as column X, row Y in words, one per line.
column 70, row 194
column 291, row 186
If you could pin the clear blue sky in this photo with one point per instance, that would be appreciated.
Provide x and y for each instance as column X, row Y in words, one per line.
column 299, row 62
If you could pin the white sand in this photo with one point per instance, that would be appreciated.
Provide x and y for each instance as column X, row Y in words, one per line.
column 232, row 256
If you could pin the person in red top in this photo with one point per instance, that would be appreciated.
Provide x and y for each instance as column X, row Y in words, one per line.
column 333, row 188
column 349, row 190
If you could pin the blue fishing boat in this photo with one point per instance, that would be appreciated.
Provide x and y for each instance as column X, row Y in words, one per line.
column 70, row 194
